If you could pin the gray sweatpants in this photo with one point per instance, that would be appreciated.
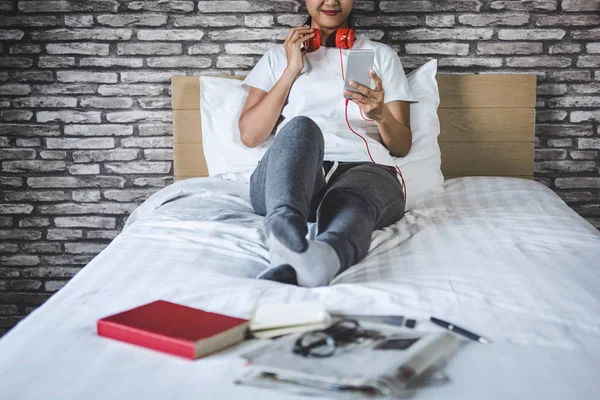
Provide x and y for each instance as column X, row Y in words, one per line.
column 358, row 198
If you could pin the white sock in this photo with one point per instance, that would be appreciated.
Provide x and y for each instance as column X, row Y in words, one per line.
column 316, row 266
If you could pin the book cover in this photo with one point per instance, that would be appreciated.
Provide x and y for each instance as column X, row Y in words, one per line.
column 174, row 328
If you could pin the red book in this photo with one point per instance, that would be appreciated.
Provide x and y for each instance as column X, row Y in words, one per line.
column 174, row 328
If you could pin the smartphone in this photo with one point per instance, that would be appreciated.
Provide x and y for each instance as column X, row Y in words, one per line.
column 360, row 62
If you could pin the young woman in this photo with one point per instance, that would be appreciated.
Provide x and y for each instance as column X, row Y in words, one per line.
column 331, row 160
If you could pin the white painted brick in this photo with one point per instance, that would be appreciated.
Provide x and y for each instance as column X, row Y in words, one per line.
column 10, row 182
column 72, row 143
column 15, row 209
column 29, row 130
column 105, row 155
column 588, row 143
column 69, row 6
column 537, row 5
column 128, row 195
column 207, row 21
column 540, row 61
column 259, row 21
column 4, row 142
column 16, row 115
column 153, row 182
column 15, row 62
column 132, row 19
column 563, row 166
column 550, row 115
column 429, row 6
column 164, row 6
column 510, row 48
column 178, row 62
column 149, row 48
column 45, row 102
column 247, row 6
column 106, row 102
column 437, row 48
column 568, row 20
column 42, row 247
column 234, row 62
column 146, row 77
column 6, row 5
column 29, row 143
column 135, row 116
column 493, row 19
column 33, row 165
column 57, row 272
column 64, row 89
column 204, row 49
column 98, row 130
column 247, row 48
column 102, row 234
column 146, row 142
column 575, row 102
column 155, row 129
column 570, row 76
column 582, row 116
column 583, row 155
column 25, row 48
column 68, row 116
column 84, row 248
column 250, row 34
column 111, row 62
column 577, row 183
column 78, row 48
column 580, row 5
column 87, row 208
column 440, row 21
column 560, row 142
column 20, row 260
column 160, row 154
column 79, row 21
column 64, row 234
column 86, row 196
column 84, row 169
column 139, row 167
column 34, row 76
column 170, row 34
column 14, row 89
column 155, row 102
column 85, row 222
column 131, row 90
column 470, row 62
column 588, row 61
column 53, row 155
column 24, row 234
column 291, row 20
column 531, row 34
column 34, row 222
column 16, row 154
column 80, row 76
column 441, row 34
column 11, row 34
column 82, row 34
column 54, row 286
column 56, row 62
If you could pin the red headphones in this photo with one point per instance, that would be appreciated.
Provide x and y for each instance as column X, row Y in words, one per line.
column 344, row 39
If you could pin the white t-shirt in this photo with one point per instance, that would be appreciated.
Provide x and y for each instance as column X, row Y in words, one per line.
column 318, row 93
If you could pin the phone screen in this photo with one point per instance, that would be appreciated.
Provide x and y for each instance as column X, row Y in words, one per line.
column 360, row 62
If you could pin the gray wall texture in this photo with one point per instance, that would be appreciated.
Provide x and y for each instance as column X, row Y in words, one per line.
column 85, row 120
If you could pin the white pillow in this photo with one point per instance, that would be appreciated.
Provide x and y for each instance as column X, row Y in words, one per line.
column 421, row 167
column 221, row 103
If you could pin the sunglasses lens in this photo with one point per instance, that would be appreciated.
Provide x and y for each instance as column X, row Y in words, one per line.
column 317, row 344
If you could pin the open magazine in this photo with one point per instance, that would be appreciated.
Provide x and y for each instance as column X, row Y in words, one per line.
column 383, row 367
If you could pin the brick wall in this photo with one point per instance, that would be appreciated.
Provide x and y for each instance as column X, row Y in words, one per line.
column 85, row 120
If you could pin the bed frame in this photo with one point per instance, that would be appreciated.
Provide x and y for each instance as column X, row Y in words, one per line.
column 487, row 125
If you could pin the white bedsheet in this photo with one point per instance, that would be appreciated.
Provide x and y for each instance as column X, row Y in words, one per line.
column 504, row 257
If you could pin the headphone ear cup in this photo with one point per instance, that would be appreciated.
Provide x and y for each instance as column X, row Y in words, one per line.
column 345, row 38
column 313, row 43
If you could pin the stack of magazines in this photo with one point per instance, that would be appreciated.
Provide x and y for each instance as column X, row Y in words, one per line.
column 391, row 364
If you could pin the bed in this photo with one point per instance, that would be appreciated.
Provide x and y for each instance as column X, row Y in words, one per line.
column 494, row 251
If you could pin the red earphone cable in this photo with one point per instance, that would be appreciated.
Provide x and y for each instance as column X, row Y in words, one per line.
column 397, row 170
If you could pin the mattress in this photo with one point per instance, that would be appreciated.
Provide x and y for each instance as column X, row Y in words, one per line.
column 505, row 257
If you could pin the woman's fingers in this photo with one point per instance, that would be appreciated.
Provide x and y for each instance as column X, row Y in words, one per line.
column 364, row 90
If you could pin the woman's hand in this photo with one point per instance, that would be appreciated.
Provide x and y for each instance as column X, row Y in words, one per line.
column 369, row 100
column 292, row 46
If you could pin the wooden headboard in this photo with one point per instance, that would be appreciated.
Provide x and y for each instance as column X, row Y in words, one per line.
column 487, row 125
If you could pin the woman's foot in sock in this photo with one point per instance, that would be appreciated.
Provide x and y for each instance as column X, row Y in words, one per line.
column 315, row 266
